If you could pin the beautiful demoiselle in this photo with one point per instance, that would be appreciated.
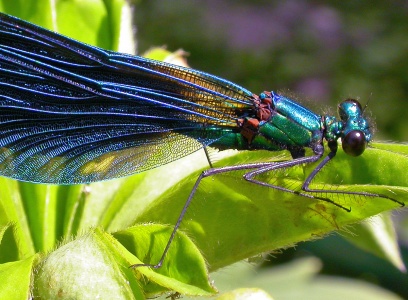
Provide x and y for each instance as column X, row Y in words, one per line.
column 73, row 113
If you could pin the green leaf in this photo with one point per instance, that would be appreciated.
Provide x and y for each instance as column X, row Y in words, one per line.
column 9, row 250
column 377, row 236
column 71, row 18
column 185, row 272
column 15, row 279
column 13, row 223
column 228, row 212
column 40, row 203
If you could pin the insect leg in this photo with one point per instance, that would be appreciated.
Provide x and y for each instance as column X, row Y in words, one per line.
column 288, row 164
column 204, row 174
column 329, row 157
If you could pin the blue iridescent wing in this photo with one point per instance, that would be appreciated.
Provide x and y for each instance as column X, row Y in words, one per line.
column 73, row 113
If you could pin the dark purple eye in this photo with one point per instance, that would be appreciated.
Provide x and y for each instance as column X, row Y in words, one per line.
column 354, row 143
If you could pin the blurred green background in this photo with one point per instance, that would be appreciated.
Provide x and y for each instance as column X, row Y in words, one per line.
column 321, row 51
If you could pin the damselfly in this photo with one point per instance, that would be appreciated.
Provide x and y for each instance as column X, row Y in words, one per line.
column 72, row 113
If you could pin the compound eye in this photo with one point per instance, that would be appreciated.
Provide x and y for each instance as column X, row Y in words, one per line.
column 349, row 108
column 354, row 143
column 355, row 102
